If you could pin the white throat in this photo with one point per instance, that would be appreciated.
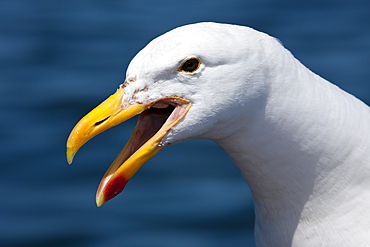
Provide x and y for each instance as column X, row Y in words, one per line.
column 306, row 159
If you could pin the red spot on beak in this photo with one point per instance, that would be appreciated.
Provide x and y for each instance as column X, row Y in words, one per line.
column 114, row 187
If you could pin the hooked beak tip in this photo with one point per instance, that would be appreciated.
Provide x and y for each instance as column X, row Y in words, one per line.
column 70, row 155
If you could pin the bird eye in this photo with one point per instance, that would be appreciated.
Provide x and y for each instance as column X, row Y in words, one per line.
column 190, row 65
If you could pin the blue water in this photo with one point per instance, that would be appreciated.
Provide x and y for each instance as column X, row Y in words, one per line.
column 59, row 59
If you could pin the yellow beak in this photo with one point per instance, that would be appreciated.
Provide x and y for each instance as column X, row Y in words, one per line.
column 157, row 119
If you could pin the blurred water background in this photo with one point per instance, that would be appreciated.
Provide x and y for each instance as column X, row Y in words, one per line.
column 59, row 59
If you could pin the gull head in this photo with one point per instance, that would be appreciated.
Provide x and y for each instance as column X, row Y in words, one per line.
column 203, row 80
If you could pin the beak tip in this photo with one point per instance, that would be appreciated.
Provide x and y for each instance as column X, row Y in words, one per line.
column 70, row 156
column 109, row 188
column 99, row 199
column 98, row 204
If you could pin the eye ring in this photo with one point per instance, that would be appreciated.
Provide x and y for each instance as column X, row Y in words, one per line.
column 190, row 65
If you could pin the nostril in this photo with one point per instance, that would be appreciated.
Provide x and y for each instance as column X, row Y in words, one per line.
column 101, row 121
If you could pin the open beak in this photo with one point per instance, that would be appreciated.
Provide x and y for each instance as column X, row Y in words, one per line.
column 155, row 120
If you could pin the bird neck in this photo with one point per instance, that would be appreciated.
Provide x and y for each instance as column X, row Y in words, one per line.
column 298, row 157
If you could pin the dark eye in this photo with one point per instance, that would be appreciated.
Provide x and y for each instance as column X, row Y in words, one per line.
column 190, row 65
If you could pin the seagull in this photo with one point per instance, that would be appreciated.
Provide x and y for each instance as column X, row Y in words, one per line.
column 301, row 143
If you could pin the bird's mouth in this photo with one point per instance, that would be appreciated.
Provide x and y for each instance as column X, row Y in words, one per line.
column 155, row 121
